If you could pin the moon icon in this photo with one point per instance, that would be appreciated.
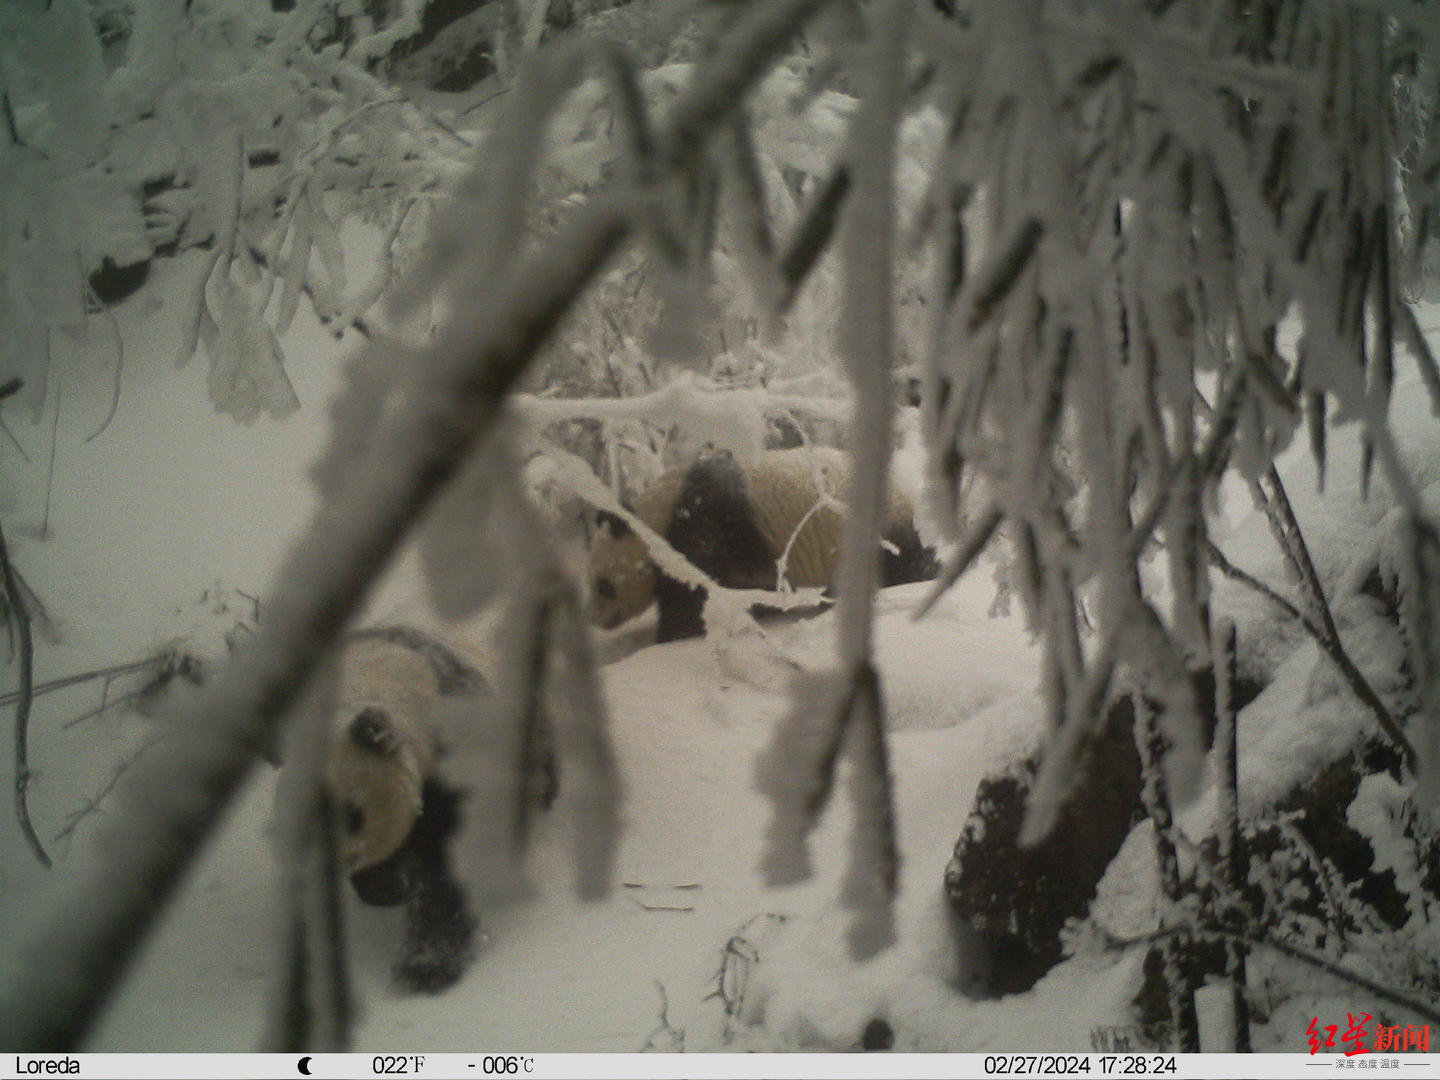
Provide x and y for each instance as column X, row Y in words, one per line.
column 304, row 1066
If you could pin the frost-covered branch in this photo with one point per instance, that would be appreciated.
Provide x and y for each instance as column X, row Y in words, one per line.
column 851, row 713
column 1146, row 242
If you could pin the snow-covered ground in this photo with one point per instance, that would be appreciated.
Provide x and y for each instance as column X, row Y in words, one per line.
column 168, row 525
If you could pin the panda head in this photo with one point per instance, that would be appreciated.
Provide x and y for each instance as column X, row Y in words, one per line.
column 381, row 747
column 622, row 575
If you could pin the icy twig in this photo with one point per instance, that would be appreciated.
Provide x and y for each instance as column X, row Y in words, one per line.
column 1222, row 563
column 1319, row 623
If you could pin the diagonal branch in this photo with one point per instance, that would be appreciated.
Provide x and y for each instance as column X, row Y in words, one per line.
column 1329, row 641
column 74, row 948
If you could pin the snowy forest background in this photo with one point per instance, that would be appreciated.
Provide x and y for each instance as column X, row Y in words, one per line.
column 1135, row 295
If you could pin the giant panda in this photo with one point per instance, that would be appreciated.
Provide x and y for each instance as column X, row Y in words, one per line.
column 734, row 520
column 397, row 815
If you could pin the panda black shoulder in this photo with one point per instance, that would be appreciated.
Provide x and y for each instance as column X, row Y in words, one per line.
column 714, row 523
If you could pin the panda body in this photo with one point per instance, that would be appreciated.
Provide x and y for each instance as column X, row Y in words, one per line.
column 740, row 524
column 398, row 815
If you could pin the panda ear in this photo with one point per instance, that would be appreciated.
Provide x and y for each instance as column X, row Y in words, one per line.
column 614, row 523
column 371, row 729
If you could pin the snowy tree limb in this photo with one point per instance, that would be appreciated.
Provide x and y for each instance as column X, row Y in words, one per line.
column 867, row 346
column 74, row 947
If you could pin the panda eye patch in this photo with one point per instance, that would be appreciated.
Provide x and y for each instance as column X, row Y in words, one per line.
column 371, row 730
column 354, row 817
column 605, row 589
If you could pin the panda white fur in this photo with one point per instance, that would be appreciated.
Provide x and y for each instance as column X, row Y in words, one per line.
column 397, row 815
column 735, row 521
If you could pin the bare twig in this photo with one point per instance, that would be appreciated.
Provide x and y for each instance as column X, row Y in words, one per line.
column 93, row 804
column 105, row 705
column 19, row 613
column 44, row 688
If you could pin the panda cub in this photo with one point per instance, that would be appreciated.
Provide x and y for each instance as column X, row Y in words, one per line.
column 397, row 815
column 734, row 521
